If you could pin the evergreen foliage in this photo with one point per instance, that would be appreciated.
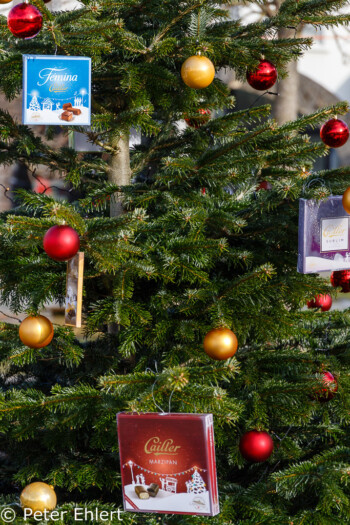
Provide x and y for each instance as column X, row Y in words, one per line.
column 176, row 264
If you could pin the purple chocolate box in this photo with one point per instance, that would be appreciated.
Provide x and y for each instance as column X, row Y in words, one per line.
column 324, row 239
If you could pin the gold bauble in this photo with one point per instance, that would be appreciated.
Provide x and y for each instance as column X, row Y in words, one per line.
column 346, row 200
column 220, row 343
column 36, row 332
column 5, row 1
column 38, row 496
column 197, row 72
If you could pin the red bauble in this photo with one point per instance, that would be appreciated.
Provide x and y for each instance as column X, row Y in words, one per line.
column 61, row 243
column 311, row 304
column 341, row 278
column 324, row 302
column 321, row 301
column 263, row 77
column 197, row 122
column 256, row 446
column 330, row 388
column 334, row 133
column 264, row 185
column 24, row 20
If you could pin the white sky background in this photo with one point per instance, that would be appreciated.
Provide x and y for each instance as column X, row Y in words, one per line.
column 327, row 62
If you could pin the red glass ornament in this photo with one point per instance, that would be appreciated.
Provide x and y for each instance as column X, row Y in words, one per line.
column 311, row 304
column 324, row 302
column 203, row 190
column 42, row 185
column 61, row 243
column 330, row 388
column 264, row 185
column 24, row 20
column 341, row 278
column 256, row 446
column 334, row 133
column 321, row 301
column 197, row 122
column 263, row 77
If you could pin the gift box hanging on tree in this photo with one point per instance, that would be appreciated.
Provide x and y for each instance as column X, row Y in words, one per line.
column 168, row 463
column 324, row 236
column 56, row 90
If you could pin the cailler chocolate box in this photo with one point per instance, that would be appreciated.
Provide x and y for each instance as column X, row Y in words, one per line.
column 324, row 235
column 168, row 463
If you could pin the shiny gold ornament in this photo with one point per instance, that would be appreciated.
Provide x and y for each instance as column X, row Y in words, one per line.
column 5, row 1
column 197, row 72
column 38, row 496
column 346, row 200
column 36, row 332
column 220, row 343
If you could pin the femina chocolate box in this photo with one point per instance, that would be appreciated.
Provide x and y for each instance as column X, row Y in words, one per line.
column 168, row 463
column 56, row 90
column 324, row 236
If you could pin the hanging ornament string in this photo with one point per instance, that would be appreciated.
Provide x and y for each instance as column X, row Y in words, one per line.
column 170, row 397
column 262, row 95
column 153, row 387
column 6, row 190
column 47, row 188
column 10, row 316
column 322, row 182
column 131, row 463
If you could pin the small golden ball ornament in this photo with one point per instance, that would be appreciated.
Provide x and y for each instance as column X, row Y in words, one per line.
column 38, row 496
column 197, row 72
column 346, row 200
column 220, row 343
column 36, row 332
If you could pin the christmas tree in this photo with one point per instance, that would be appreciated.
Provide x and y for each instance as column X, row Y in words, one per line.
column 197, row 485
column 34, row 104
column 178, row 241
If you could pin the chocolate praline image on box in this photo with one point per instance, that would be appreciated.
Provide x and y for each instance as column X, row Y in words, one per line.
column 153, row 490
column 141, row 492
column 172, row 458
column 67, row 115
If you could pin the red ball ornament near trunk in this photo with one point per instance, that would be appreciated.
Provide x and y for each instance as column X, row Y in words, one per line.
column 197, row 121
column 61, row 243
column 329, row 389
column 341, row 278
column 321, row 301
column 334, row 133
column 256, row 446
column 264, row 77
column 24, row 21
column 324, row 302
column 311, row 304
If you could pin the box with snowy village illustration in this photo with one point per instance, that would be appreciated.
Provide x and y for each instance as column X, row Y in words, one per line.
column 56, row 90
column 168, row 463
column 324, row 236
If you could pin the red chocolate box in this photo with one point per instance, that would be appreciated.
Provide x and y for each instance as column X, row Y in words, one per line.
column 174, row 452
